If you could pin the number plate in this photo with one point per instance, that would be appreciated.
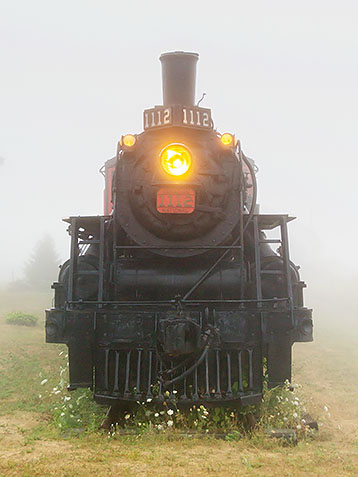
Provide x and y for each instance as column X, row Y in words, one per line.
column 177, row 115
column 176, row 201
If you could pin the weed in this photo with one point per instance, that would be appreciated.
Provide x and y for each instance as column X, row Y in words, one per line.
column 20, row 318
column 233, row 436
column 281, row 408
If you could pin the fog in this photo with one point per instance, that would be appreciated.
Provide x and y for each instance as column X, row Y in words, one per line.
column 281, row 75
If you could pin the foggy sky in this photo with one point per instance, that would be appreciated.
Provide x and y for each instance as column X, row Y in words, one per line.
column 282, row 76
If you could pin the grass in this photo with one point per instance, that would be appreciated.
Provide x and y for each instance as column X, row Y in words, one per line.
column 19, row 318
column 32, row 446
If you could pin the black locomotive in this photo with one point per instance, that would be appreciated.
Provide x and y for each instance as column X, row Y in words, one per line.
column 176, row 292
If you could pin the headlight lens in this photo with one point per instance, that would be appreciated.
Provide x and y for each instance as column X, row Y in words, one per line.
column 175, row 159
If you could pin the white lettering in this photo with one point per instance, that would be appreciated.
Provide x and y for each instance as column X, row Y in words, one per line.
column 166, row 117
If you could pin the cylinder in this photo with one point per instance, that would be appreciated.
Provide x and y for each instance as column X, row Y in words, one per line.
column 179, row 76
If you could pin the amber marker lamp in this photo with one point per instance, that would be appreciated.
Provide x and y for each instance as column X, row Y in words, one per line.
column 175, row 159
column 227, row 139
column 128, row 140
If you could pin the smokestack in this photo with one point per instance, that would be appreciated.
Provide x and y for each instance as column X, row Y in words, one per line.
column 179, row 76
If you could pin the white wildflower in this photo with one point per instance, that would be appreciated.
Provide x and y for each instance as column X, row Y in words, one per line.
column 44, row 381
column 149, row 400
column 170, row 423
column 159, row 427
column 156, row 414
column 285, row 418
column 325, row 407
column 295, row 415
column 175, row 391
column 298, row 426
column 62, row 414
column 170, row 412
column 40, row 396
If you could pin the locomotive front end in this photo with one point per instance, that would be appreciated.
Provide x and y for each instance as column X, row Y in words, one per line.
column 177, row 293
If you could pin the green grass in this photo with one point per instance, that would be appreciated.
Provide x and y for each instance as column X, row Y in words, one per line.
column 24, row 356
column 32, row 444
column 19, row 318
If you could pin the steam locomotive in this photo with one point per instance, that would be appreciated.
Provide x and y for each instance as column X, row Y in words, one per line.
column 176, row 292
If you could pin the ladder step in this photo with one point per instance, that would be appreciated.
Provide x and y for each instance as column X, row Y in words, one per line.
column 87, row 272
column 270, row 241
column 88, row 242
column 272, row 272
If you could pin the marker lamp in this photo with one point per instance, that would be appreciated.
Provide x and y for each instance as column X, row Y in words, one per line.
column 227, row 139
column 128, row 140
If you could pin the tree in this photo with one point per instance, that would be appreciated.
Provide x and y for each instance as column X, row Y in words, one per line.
column 42, row 268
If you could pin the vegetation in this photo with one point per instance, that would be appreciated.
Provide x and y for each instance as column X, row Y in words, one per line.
column 40, row 420
column 42, row 268
column 20, row 318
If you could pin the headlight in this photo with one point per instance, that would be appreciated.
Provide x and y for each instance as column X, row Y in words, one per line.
column 175, row 159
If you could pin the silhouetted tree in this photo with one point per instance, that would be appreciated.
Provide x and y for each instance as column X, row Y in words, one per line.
column 42, row 268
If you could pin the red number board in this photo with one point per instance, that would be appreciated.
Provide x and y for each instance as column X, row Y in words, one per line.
column 175, row 201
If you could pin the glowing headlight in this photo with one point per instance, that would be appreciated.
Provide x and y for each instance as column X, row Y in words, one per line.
column 175, row 159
